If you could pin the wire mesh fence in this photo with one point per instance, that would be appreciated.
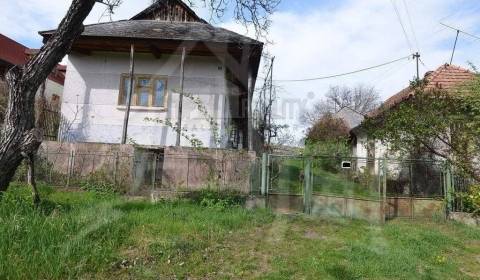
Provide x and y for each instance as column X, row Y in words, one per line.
column 143, row 172
column 466, row 194
column 372, row 189
column 347, row 177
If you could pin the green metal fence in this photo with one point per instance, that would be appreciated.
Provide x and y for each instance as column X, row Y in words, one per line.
column 369, row 189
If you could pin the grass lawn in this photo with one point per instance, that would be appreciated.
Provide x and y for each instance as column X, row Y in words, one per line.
column 89, row 235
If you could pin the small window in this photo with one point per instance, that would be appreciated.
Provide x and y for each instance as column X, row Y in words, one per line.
column 148, row 91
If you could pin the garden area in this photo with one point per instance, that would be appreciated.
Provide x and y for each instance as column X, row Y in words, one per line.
column 97, row 234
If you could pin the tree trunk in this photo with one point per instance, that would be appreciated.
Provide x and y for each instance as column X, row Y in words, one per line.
column 31, row 179
column 20, row 137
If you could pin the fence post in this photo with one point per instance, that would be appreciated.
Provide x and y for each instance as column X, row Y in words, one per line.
column 307, row 193
column 264, row 173
column 384, row 190
column 115, row 167
column 449, row 189
column 188, row 173
column 70, row 167
column 154, row 171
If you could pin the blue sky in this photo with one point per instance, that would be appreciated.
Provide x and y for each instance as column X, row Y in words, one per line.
column 315, row 38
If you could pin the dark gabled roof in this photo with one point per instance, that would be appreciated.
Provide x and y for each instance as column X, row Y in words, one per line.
column 351, row 117
column 159, row 3
column 161, row 30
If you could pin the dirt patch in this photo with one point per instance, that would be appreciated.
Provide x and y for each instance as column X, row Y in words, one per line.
column 311, row 234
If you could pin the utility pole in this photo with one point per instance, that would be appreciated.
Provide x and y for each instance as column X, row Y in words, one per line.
column 180, row 102
column 129, row 94
column 417, row 57
column 454, row 46
column 270, row 101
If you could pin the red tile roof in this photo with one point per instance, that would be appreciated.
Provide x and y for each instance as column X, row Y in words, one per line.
column 14, row 53
column 11, row 51
column 446, row 77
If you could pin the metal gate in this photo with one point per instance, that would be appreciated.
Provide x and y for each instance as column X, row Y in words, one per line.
column 370, row 189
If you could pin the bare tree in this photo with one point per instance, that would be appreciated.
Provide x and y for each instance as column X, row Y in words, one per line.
column 255, row 13
column 20, row 138
column 361, row 99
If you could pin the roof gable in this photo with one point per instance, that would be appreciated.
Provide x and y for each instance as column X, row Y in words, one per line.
column 351, row 117
column 169, row 10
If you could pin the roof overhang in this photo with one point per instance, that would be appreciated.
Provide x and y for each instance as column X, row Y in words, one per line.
column 88, row 44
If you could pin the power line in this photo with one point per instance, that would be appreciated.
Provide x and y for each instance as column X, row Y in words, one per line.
column 461, row 31
column 412, row 29
column 387, row 74
column 401, row 23
column 348, row 73
column 458, row 30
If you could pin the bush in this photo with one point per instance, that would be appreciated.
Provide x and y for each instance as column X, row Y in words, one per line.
column 471, row 200
column 98, row 182
column 219, row 200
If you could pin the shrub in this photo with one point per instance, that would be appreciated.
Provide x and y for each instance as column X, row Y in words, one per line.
column 219, row 200
column 471, row 200
column 98, row 182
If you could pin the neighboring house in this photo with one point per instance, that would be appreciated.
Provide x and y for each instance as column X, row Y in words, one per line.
column 447, row 77
column 352, row 119
column 220, row 70
column 13, row 53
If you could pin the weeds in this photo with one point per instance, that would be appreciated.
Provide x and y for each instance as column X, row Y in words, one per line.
column 219, row 200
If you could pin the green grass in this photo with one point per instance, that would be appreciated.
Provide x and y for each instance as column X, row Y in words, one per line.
column 88, row 235
column 287, row 177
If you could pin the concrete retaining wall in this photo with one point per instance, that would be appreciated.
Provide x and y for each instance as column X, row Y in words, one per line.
column 465, row 218
column 408, row 207
column 146, row 169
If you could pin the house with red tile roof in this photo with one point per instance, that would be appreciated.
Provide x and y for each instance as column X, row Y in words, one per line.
column 446, row 77
column 13, row 53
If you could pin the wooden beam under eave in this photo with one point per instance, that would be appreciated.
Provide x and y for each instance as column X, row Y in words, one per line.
column 82, row 51
column 156, row 52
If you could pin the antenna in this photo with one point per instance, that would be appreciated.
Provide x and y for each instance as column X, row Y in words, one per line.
column 454, row 46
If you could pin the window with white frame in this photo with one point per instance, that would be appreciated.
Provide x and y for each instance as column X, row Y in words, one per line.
column 148, row 91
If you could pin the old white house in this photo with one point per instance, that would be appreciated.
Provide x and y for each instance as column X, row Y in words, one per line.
column 220, row 70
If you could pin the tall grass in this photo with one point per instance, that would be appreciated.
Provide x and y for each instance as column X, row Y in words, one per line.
column 74, row 234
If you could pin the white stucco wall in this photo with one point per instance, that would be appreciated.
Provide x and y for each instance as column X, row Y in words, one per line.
column 361, row 151
column 91, row 94
column 53, row 88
